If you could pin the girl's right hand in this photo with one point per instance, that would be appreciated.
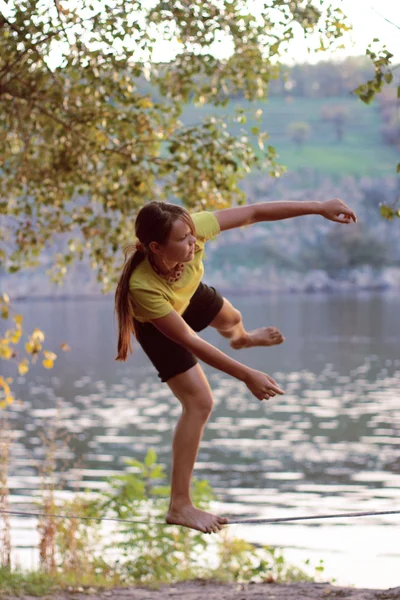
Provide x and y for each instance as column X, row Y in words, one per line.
column 261, row 385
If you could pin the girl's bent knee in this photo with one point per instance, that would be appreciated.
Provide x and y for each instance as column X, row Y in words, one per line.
column 237, row 317
column 202, row 405
column 231, row 320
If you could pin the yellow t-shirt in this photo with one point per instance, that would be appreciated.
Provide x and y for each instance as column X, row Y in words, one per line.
column 153, row 297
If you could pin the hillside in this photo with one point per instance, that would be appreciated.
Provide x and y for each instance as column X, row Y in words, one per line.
column 361, row 152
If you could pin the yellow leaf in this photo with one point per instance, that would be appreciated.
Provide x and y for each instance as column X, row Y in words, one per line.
column 145, row 103
column 15, row 337
column 5, row 352
column 6, row 298
column 9, row 399
column 38, row 335
column 23, row 367
column 3, row 404
column 47, row 363
column 49, row 355
column 29, row 347
column 18, row 319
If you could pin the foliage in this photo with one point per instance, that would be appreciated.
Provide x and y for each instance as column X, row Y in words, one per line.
column 381, row 59
column 85, row 149
column 33, row 348
column 78, row 540
column 389, row 212
column 144, row 551
column 149, row 552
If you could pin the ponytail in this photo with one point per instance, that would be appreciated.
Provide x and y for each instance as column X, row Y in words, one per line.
column 153, row 223
column 124, row 301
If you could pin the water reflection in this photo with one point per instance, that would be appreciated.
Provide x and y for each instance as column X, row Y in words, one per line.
column 330, row 444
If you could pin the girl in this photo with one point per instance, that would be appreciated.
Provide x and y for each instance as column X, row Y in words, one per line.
column 161, row 300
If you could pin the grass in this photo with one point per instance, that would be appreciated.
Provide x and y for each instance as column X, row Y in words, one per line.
column 39, row 583
column 361, row 153
column 34, row 583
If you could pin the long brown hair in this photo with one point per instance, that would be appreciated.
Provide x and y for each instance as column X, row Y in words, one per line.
column 153, row 224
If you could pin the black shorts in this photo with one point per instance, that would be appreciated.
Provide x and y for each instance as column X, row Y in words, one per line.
column 168, row 357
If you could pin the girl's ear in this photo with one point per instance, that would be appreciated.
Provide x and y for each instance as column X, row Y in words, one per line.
column 155, row 247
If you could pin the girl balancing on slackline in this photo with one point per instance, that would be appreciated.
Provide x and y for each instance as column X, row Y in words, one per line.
column 161, row 299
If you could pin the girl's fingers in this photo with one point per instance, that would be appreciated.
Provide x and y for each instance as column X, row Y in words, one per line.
column 348, row 215
column 276, row 389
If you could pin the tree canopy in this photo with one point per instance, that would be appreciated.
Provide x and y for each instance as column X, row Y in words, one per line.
column 84, row 147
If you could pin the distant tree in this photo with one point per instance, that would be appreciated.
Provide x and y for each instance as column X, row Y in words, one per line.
column 340, row 250
column 388, row 104
column 391, row 132
column 325, row 79
column 337, row 115
column 299, row 132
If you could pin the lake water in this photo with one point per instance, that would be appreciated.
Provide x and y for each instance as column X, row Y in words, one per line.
column 330, row 445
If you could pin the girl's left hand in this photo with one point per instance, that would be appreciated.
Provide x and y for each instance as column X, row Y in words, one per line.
column 336, row 210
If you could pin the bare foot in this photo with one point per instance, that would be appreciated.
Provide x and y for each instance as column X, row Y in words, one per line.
column 264, row 336
column 192, row 517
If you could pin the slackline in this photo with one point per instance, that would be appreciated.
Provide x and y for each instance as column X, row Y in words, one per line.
column 234, row 522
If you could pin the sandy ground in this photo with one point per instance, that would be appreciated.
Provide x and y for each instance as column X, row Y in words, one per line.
column 202, row 590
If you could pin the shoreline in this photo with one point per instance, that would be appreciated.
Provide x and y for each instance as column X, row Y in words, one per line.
column 342, row 291
column 202, row 589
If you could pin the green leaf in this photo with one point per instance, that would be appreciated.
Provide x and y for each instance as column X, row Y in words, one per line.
column 386, row 212
column 157, row 472
column 388, row 77
column 151, row 457
column 132, row 462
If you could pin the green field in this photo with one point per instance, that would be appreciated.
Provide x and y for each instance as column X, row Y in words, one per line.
column 361, row 153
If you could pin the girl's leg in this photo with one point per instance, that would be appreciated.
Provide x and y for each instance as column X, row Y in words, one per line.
column 193, row 391
column 228, row 323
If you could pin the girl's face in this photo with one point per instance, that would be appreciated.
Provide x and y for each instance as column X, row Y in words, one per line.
column 181, row 243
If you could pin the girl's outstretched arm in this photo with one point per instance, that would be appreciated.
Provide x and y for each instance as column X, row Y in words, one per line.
column 334, row 210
